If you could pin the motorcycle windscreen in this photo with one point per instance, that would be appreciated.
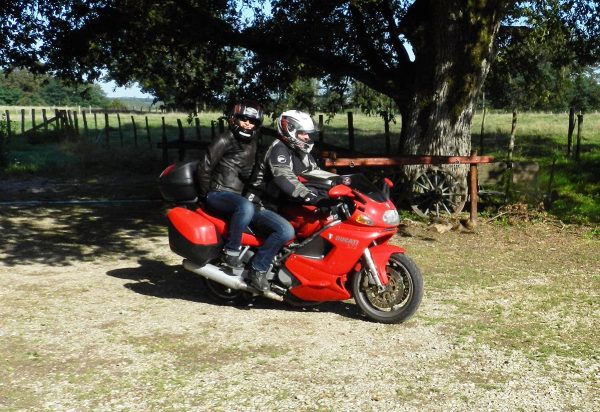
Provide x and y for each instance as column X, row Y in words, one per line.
column 193, row 236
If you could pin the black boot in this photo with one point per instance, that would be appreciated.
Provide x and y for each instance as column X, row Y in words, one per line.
column 259, row 280
column 231, row 258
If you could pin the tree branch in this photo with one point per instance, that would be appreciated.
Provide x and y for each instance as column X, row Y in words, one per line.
column 366, row 46
column 395, row 33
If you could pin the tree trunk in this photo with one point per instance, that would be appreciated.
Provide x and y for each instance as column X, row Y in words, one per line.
column 451, row 63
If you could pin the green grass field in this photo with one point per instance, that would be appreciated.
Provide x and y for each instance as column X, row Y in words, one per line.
column 570, row 189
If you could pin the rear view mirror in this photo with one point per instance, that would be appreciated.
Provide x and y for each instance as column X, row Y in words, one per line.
column 340, row 191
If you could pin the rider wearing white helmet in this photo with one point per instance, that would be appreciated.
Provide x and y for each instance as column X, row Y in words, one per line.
column 288, row 156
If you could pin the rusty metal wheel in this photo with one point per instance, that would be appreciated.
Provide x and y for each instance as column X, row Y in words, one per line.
column 437, row 192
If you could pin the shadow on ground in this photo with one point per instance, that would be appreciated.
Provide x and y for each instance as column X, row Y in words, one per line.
column 64, row 235
column 153, row 278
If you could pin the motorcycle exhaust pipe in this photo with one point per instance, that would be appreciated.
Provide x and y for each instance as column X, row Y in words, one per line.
column 213, row 273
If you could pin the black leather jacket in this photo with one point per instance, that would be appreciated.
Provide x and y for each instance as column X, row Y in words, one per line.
column 276, row 177
column 227, row 164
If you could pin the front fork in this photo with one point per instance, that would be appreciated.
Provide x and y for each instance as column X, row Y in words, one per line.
column 376, row 258
column 374, row 275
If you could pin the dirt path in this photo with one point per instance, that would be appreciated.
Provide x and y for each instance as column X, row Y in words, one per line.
column 97, row 314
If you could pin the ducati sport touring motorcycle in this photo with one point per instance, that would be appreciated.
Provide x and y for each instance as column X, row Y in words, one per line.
column 339, row 253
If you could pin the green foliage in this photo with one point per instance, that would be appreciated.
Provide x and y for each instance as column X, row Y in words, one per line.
column 545, row 60
column 21, row 87
column 576, row 192
column 372, row 102
column 569, row 189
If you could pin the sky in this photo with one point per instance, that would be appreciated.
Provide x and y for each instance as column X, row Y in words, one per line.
column 111, row 90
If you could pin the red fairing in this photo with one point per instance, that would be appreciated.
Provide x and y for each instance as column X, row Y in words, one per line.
column 381, row 254
column 305, row 219
column 194, row 227
column 317, row 284
column 325, row 279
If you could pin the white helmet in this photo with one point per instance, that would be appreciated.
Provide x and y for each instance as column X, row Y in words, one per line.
column 292, row 122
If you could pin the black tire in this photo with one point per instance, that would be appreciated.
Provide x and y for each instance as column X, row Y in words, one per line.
column 223, row 294
column 402, row 296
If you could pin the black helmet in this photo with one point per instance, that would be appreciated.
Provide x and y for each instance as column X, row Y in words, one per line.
column 245, row 111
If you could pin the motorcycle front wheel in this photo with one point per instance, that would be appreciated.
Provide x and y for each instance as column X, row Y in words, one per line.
column 401, row 297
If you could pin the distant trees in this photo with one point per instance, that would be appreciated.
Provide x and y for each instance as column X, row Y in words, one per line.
column 21, row 87
column 548, row 56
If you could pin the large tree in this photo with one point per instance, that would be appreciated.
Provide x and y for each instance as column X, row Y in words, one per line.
column 200, row 41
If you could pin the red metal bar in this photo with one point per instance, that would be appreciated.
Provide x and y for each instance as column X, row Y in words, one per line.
column 332, row 161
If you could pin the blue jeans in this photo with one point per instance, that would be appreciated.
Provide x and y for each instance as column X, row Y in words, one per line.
column 242, row 214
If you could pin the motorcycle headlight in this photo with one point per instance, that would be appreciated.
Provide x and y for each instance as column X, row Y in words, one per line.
column 391, row 217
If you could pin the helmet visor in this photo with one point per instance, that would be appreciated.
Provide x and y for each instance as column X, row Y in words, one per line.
column 245, row 118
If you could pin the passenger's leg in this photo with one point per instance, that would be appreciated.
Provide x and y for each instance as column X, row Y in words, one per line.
column 241, row 211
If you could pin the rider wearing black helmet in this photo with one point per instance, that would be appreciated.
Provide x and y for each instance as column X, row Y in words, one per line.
column 222, row 173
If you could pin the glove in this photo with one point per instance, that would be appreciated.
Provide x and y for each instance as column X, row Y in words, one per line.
column 314, row 198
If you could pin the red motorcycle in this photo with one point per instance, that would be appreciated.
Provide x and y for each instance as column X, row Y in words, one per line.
column 338, row 253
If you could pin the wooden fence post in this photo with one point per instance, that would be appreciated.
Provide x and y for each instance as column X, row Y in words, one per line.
column 33, row 122
column 181, row 140
column 65, row 120
column 578, row 148
column 570, row 131
column 45, row 119
column 76, row 123
column 120, row 130
column 350, row 131
column 481, row 133
column 85, row 125
column 57, row 119
column 511, row 147
column 511, row 143
column 165, row 151
column 8, row 129
column 70, row 117
column 106, row 129
column 473, row 189
column 148, row 133
column 386, row 128
column 321, row 135
column 95, row 121
column 22, row 121
column 198, row 135
column 134, row 131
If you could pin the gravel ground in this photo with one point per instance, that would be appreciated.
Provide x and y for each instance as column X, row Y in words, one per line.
column 97, row 314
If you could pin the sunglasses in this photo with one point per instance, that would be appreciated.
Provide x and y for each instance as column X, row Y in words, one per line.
column 243, row 118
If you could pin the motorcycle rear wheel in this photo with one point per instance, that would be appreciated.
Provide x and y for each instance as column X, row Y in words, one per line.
column 402, row 296
column 224, row 294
